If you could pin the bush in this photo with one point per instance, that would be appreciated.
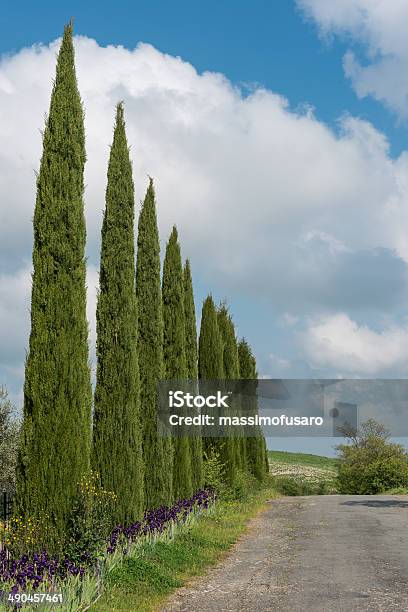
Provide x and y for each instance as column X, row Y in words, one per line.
column 295, row 486
column 91, row 520
column 371, row 464
column 386, row 474
column 241, row 488
column 215, row 479
column 214, row 472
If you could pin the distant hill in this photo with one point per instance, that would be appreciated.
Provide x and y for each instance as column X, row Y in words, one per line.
column 303, row 459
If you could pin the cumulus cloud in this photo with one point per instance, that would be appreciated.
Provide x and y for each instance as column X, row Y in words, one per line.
column 338, row 342
column 380, row 26
column 269, row 201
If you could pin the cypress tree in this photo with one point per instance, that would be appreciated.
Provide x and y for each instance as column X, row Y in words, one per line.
column 117, row 453
column 56, row 434
column 157, row 451
column 232, row 445
column 210, row 348
column 174, row 354
column 210, row 359
column 192, row 370
column 255, row 446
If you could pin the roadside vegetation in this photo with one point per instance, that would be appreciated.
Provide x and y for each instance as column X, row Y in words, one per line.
column 91, row 483
column 143, row 582
column 370, row 463
column 303, row 474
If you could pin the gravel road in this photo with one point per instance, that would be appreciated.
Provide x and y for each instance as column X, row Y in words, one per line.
column 338, row 553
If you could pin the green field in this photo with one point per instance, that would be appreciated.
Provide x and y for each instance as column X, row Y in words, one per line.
column 303, row 474
column 303, row 459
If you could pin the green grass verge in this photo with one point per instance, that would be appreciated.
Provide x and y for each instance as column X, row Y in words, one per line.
column 303, row 459
column 141, row 584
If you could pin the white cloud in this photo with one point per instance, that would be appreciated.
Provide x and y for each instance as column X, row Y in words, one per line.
column 288, row 319
column 263, row 196
column 14, row 314
column 380, row 25
column 339, row 343
column 278, row 362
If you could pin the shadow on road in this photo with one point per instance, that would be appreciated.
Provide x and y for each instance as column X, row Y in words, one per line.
column 377, row 503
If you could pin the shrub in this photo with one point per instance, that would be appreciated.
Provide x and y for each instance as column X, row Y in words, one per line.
column 91, row 519
column 215, row 478
column 214, row 472
column 369, row 463
column 391, row 473
column 296, row 486
column 243, row 484
column 22, row 536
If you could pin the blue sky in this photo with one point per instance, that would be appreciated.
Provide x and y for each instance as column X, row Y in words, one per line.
column 262, row 42
column 276, row 132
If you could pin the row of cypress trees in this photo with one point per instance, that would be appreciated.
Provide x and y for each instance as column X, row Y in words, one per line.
column 146, row 331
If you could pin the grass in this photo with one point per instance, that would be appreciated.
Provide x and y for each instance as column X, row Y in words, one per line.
column 303, row 459
column 303, row 474
column 142, row 583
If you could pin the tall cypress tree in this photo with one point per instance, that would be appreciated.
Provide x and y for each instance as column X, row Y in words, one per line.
column 255, row 445
column 117, row 452
column 232, row 445
column 210, row 348
column 55, row 443
column 157, row 451
column 210, row 358
column 174, row 354
column 192, row 371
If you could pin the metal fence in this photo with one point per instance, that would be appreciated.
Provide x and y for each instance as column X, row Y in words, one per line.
column 6, row 507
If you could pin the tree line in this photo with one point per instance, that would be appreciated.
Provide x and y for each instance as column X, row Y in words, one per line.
column 146, row 332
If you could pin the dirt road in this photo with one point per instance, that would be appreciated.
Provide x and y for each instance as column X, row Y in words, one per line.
column 340, row 553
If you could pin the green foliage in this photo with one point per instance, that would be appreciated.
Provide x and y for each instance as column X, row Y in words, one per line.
column 397, row 491
column 190, row 324
column 174, row 355
column 145, row 571
column 210, row 348
column 157, row 452
column 56, row 432
column 214, row 471
column 303, row 459
column 144, row 582
column 303, row 474
column 232, row 445
column 288, row 485
column 174, row 336
column 386, row 473
column 241, row 488
column 254, row 445
column 24, row 535
column 192, row 371
column 247, row 363
column 9, row 437
column 371, row 464
column 90, row 520
column 117, row 452
column 229, row 343
column 216, row 477
column 210, row 355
